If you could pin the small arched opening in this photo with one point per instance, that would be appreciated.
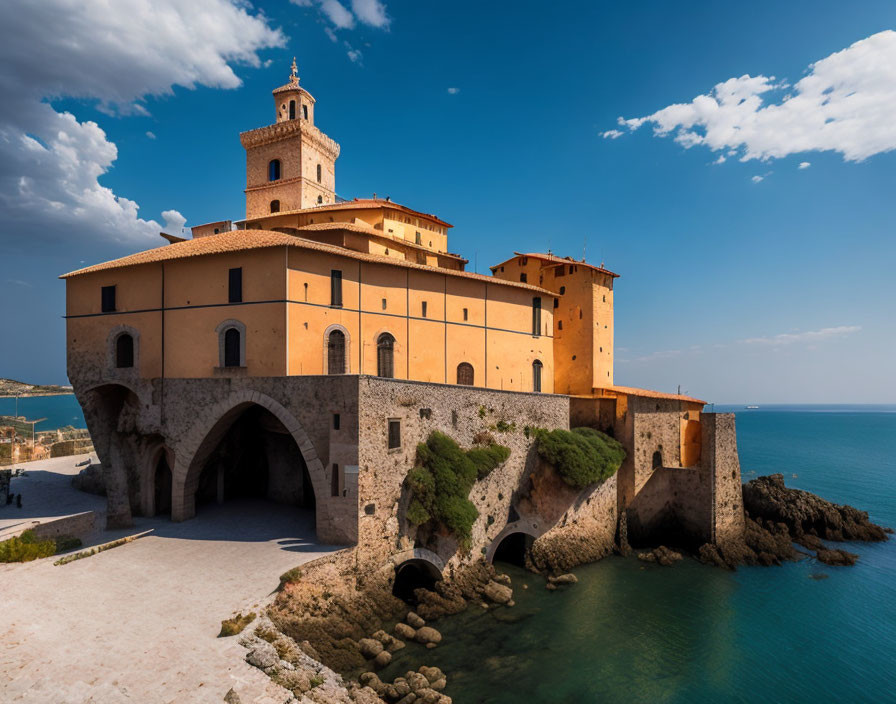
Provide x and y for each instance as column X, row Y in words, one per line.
column 162, row 483
column 292, row 109
column 657, row 459
column 274, row 170
column 465, row 374
column 513, row 549
column 537, row 367
column 124, row 351
column 275, row 206
column 412, row 575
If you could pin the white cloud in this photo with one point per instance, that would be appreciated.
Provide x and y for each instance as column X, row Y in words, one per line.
column 337, row 13
column 50, row 162
column 354, row 55
column 371, row 12
column 845, row 103
column 757, row 179
column 612, row 134
column 151, row 135
column 811, row 336
column 804, row 165
column 453, row 91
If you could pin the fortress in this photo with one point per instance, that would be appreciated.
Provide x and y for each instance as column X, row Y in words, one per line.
column 301, row 354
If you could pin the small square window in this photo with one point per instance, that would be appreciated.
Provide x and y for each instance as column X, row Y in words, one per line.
column 108, row 299
column 394, row 433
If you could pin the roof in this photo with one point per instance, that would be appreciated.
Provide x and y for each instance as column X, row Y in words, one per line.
column 554, row 259
column 240, row 240
column 290, row 86
column 355, row 203
column 647, row 393
column 366, row 229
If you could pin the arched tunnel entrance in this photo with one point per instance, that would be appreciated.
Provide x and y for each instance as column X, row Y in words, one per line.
column 414, row 574
column 249, row 454
column 513, row 548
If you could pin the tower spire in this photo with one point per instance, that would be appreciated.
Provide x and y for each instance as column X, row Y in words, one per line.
column 294, row 73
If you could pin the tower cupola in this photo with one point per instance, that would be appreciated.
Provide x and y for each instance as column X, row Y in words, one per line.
column 291, row 101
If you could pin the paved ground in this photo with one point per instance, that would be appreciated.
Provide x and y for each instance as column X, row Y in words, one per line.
column 138, row 623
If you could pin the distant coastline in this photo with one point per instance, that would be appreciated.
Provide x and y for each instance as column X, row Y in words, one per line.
column 10, row 388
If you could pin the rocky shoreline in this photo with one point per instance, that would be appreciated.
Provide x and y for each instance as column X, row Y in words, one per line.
column 330, row 630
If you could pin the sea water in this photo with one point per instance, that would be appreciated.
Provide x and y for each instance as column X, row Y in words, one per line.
column 636, row 632
column 58, row 411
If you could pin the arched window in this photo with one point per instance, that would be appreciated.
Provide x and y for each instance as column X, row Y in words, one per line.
column 275, row 206
column 336, row 352
column 385, row 354
column 465, row 374
column 292, row 109
column 319, row 173
column 320, row 199
column 305, row 111
column 124, row 351
column 537, row 366
column 232, row 347
column 274, row 170
column 657, row 459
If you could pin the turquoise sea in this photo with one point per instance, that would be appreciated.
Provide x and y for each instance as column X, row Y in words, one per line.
column 632, row 632
column 59, row 411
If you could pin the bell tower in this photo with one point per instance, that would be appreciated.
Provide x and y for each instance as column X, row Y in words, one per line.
column 290, row 165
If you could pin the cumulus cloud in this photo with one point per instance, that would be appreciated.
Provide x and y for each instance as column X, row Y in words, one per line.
column 354, row 55
column 453, row 91
column 612, row 134
column 50, row 163
column 804, row 165
column 757, row 179
column 810, row 336
column 844, row 103
column 369, row 12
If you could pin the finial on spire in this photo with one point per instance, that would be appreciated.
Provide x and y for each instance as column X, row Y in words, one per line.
column 294, row 73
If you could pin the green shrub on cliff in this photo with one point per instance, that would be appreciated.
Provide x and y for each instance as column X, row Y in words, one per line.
column 440, row 483
column 581, row 456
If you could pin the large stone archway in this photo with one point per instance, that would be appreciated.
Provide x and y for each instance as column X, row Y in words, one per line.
column 208, row 431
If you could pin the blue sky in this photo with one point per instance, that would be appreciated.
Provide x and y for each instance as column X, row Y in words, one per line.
column 743, row 281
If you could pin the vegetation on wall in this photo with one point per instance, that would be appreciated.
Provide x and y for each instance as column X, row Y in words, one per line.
column 440, row 483
column 27, row 547
column 581, row 456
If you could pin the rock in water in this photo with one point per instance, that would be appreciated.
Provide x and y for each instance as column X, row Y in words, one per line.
column 404, row 631
column 414, row 621
column 568, row 578
column 661, row 555
column 805, row 513
column 497, row 593
column 370, row 647
column 837, row 557
column 427, row 635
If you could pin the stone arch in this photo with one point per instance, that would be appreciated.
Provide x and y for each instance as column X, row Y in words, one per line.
column 149, row 478
column 207, row 432
column 348, row 347
column 415, row 569
column 521, row 527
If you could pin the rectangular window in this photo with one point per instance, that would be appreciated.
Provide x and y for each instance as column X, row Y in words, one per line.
column 108, row 299
column 235, row 285
column 384, row 304
column 419, row 239
column 305, row 111
column 394, row 433
column 335, row 287
column 466, row 314
column 536, row 315
column 424, row 309
column 336, row 421
column 334, row 480
column 524, row 278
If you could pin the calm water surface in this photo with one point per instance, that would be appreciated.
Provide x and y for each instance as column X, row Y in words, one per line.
column 59, row 411
column 630, row 632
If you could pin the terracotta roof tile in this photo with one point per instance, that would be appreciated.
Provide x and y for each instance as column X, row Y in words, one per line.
column 360, row 203
column 647, row 393
column 239, row 240
column 554, row 259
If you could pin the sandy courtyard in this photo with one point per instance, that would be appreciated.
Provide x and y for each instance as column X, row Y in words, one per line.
column 138, row 623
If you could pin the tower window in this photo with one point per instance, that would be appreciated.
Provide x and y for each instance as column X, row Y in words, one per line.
column 336, row 287
column 124, row 351
column 524, row 278
column 423, row 309
column 536, row 375
column 275, row 206
column 235, row 285
column 319, row 173
column 337, row 421
column 305, row 111
column 292, row 109
column 556, row 303
column 419, row 239
column 562, row 290
column 466, row 314
column 334, row 481
column 385, row 350
column 559, row 324
column 320, row 199
column 274, row 170
column 107, row 301
column 536, row 315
